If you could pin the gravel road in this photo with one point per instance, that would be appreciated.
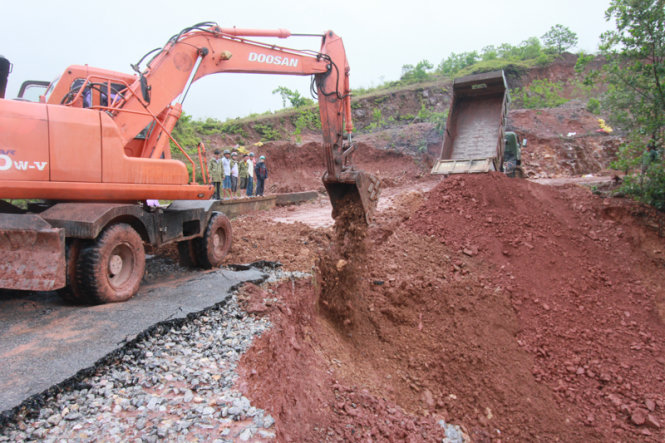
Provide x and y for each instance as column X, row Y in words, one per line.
column 172, row 382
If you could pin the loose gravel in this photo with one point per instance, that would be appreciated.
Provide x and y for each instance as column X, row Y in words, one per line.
column 175, row 382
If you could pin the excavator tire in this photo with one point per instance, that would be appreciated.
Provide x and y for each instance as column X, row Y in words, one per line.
column 211, row 249
column 71, row 292
column 110, row 268
column 187, row 254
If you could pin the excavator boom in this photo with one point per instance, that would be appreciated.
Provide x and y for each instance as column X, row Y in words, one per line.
column 138, row 101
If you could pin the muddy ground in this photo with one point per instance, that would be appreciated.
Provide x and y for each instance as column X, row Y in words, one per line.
column 516, row 310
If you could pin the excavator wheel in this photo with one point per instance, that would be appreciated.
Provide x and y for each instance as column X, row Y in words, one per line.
column 187, row 254
column 111, row 267
column 71, row 293
column 211, row 249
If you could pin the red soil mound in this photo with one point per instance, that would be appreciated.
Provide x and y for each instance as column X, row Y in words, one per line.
column 586, row 284
column 518, row 311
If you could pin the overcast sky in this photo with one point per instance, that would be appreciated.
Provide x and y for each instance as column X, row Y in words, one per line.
column 42, row 37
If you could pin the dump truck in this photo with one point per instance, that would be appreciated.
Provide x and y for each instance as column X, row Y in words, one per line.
column 474, row 140
column 89, row 160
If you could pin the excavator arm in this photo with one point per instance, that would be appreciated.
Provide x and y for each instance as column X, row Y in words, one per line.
column 148, row 97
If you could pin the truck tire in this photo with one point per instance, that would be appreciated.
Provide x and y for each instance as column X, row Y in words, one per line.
column 519, row 172
column 110, row 269
column 211, row 249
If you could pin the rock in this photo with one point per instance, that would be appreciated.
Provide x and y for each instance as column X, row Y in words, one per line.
column 72, row 416
column 268, row 421
column 428, row 398
column 350, row 410
column 234, row 411
column 615, row 399
column 245, row 435
column 650, row 404
column 54, row 419
column 470, row 251
column 39, row 433
column 638, row 417
column 652, row 422
column 266, row 434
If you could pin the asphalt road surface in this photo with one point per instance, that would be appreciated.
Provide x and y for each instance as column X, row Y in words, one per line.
column 44, row 340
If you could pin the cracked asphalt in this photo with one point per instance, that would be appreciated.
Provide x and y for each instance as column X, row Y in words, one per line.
column 44, row 340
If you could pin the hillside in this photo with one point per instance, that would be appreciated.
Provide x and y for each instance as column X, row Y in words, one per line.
column 404, row 127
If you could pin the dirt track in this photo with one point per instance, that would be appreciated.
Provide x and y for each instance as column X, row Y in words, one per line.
column 517, row 310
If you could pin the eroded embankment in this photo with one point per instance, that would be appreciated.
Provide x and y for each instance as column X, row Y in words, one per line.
column 516, row 310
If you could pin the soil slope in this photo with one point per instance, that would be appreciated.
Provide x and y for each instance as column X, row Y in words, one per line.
column 519, row 311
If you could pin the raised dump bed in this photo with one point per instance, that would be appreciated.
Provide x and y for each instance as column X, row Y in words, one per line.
column 474, row 138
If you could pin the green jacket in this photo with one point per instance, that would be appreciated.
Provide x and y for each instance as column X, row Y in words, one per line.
column 242, row 170
column 216, row 170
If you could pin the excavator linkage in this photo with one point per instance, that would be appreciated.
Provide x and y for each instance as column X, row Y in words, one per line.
column 353, row 186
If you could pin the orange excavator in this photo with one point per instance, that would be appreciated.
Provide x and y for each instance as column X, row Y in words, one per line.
column 96, row 148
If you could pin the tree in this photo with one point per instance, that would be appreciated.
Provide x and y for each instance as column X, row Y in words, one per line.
column 530, row 48
column 635, row 73
column 293, row 97
column 559, row 38
column 456, row 62
column 418, row 73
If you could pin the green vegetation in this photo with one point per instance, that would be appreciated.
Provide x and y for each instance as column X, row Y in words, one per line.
column 293, row 97
column 188, row 132
column 416, row 74
column 377, row 120
column 306, row 119
column 593, row 106
column 512, row 59
column 559, row 39
column 267, row 131
column 635, row 99
column 539, row 94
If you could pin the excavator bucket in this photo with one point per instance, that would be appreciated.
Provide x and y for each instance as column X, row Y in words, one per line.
column 353, row 187
column 33, row 253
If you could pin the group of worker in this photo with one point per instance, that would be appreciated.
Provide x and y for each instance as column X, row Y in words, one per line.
column 233, row 177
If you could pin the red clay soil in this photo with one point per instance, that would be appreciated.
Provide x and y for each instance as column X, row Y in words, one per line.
column 518, row 311
column 294, row 245
column 551, row 152
column 294, row 168
column 587, row 286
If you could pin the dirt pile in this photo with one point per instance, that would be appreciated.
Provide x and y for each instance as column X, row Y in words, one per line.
column 518, row 311
column 294, row 245
column 586, row 283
